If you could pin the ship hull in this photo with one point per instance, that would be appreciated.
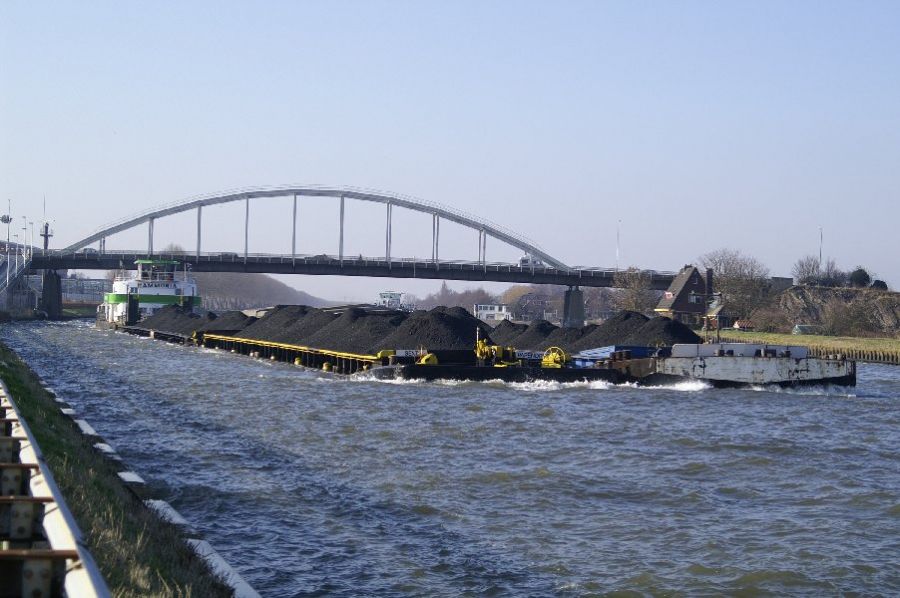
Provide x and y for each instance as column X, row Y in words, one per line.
column 718, row 372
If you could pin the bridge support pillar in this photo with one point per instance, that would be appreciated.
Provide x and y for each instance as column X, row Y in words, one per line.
column 51, row 295
column 573, row 308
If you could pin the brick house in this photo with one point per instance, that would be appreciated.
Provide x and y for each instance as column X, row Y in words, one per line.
column 686, row 298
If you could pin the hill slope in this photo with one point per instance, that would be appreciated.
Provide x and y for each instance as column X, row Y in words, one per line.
column 880, row 310
column 227, row 290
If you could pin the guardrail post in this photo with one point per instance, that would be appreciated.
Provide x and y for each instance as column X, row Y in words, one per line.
column 341, row 235
column 246, row 227
column 294, row 234
column 387, row 236
column 199, row 214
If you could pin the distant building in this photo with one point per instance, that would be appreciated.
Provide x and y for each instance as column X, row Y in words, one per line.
column 534, row 306
column 393, row 300
column 492, row 312
column 686, row 299
column 718, row 316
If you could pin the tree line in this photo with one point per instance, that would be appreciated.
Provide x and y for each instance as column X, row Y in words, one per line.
column 810, row 271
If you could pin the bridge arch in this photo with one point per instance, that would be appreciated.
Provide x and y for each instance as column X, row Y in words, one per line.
column 484, row 227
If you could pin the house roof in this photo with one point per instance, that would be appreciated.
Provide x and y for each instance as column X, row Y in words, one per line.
column 676, row 288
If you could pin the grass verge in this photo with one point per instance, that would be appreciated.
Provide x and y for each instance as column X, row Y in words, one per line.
column 79, row 311
column 137, row 553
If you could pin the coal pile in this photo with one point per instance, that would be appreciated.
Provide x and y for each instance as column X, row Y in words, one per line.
column 174, row 320
column 374, row 329
column 506, row 331
column 535, row 336
column 661, row 332
column 305, row 327
column 467, row 319
column 274, row 322
column 229, row 322
column 613, row 331
column 566, row 338
column 440, row 328
column 356, row 331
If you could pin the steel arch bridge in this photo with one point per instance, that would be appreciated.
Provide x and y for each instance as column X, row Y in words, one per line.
column 438, row 212
column 540, row 267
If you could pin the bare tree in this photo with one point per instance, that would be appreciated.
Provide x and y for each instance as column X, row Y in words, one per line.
column 771, row 318
column 743, row 280
column 512, row 294
column 806, row 270
column 450, row 298
column 635, row 292
column 832, row 276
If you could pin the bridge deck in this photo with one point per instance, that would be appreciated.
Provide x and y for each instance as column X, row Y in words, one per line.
column 350, row 266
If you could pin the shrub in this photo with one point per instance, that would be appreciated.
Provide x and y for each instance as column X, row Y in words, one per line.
column 860, row 278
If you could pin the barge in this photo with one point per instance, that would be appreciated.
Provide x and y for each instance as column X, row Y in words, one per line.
column 725, row 365
column 718, row 365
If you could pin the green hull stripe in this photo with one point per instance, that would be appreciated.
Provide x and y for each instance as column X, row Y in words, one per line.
column 114, row 298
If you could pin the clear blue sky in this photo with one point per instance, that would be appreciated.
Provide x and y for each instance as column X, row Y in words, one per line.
column 699, row 125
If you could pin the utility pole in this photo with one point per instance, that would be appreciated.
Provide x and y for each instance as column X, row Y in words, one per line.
column 618, row 226
column 820, row 248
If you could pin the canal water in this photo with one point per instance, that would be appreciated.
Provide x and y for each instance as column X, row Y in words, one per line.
column 314, row 486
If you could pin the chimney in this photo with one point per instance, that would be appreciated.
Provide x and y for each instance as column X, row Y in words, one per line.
column 709, row 282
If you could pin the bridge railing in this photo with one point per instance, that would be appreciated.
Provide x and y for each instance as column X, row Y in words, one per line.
column 12, row 268
column 322, row 258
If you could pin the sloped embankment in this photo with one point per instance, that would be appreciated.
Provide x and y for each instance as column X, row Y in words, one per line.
column 811, row 305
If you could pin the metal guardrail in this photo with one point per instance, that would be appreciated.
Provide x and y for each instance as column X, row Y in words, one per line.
column 8, row 275
column 42, row 552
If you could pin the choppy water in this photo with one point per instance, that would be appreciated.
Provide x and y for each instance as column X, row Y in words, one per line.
column 317, row 486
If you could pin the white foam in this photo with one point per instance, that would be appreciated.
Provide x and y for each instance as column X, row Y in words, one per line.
column 552, row 385
column 812, row 391
column 686, row 386
column 369, row 378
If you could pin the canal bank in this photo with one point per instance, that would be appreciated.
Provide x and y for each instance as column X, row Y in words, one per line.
column 137, row 553
column 311, row 484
